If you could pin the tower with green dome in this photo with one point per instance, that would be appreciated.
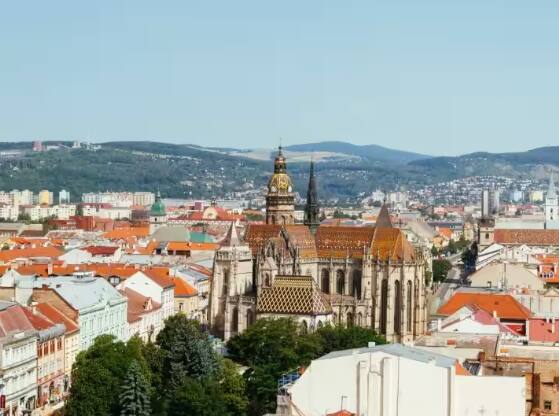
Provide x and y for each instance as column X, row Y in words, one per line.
column 157, row 214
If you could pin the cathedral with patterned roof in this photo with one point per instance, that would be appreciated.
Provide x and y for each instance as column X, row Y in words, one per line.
column 351, row 275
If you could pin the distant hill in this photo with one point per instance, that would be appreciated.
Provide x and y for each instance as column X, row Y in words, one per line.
column 369, row 151
column 192, row 171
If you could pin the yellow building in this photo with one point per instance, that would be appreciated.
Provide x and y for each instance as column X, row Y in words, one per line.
column 45, row 197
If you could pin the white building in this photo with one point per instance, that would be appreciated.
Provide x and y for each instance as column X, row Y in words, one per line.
column 153, row 285
column 18, row 359
column 394, row 380
column 551, row 207
column 9, row 212
column 64, row 197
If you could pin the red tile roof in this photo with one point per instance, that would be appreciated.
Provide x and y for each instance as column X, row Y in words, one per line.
column 8, row 255
column 57, row 317
column 505, row 306
column 183, row 289
column 542, row 330
column 138, row 304
column 123, row 233
column 529, row 237
column 160, row 276
column 101, row 250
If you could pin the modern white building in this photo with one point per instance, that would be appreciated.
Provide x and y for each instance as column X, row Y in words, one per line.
column 395, row 380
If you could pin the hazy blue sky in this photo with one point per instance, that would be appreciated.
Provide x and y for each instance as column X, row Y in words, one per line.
column 440, row 77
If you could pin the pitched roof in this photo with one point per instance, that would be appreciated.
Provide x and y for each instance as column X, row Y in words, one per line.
column 101, row 250
column 160, row 275
column 300, row 237
column 188, row 246
column 293, row 295
column 339, row 242
column 126, row 232
column 536, row 237
column 505, row 306
column 58, row 317
column 138, row 304
column 257, row 235
column 183, row 289
column 8, row 255
column 383, row 218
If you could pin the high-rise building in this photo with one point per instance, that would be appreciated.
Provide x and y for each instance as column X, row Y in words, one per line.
column 45, row 197
column 551, row 206
column 490, row 202
column 64, row 197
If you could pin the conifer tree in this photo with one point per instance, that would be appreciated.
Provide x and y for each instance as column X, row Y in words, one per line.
column 135, row 393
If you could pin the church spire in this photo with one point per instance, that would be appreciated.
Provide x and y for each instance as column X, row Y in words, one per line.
column 383, row 218
column 311, row 207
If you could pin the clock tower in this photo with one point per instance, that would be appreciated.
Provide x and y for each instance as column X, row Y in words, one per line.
column 280, row 200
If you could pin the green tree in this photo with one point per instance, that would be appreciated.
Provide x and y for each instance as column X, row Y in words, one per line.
column 186, row 351
column 338, row 337
column 233, row 387
column 98, row 374
column 135, row 393
column 271, row 342
column 198, row 397
column 441, row 269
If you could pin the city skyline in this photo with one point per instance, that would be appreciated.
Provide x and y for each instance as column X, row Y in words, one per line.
column 439, row 78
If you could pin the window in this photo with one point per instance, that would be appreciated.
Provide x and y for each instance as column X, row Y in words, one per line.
column 340, row 282
column 547, row 405
column 325, row 281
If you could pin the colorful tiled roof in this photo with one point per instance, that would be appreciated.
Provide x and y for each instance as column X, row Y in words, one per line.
column 293, row 295
column 300, row 236
column 58, row 317
column 258, row 234
column 124, row 233
column 505, row 306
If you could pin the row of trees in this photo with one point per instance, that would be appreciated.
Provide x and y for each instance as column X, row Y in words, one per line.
column 181, row 374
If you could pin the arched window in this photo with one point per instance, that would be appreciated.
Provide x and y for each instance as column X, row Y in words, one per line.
column 319, row 325
column 340, row 282
column 325, row 278
column 359, row 319
column 397, row 307
column 235, row 320
column 225, row 282
column 250, row 318
column 335, row 318
column 349, row 319
column 357, row 284
column 415, row 303
column 304, row 327
column 383, row 305
column 267, row 280
column 409, row 310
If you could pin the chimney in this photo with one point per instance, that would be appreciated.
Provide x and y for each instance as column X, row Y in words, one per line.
column 49, row 269
column 34, row 307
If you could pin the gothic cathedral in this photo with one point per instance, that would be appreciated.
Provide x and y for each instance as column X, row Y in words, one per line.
column 317, row 274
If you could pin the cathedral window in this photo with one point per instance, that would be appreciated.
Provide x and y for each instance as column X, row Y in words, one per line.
column 225, row 282
column 325, row 280
column 383, row 305
column 357, row 284
column 409, row 315
column 235, row 320
column 340, row 282
column 349, row 319
column 397, row 307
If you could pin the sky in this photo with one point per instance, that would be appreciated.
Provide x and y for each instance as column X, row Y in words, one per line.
column 439, row 77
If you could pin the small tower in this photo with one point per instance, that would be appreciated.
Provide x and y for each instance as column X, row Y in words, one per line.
column 311, row 208
column 280, row 200
column 551, row 206
column 383, row 218
column 157, row 214
column 231, row 306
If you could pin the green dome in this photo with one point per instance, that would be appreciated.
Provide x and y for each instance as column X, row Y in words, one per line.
column 158, row 208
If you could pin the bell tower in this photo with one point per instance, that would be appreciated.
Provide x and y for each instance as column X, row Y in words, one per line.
column 280, row 200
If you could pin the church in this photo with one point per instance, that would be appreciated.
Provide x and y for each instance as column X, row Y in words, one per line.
column 317, row 274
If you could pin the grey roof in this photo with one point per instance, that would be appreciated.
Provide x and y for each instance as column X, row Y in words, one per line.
column 82, row 292
column 172, row 233
column 399, row 350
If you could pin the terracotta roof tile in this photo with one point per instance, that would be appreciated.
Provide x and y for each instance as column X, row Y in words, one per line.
column 505, row 306
column 8, row 255
column 529, row 237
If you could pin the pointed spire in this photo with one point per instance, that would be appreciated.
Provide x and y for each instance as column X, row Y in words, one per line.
column 311, row 208
column 383, row 218
column 232, row 237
